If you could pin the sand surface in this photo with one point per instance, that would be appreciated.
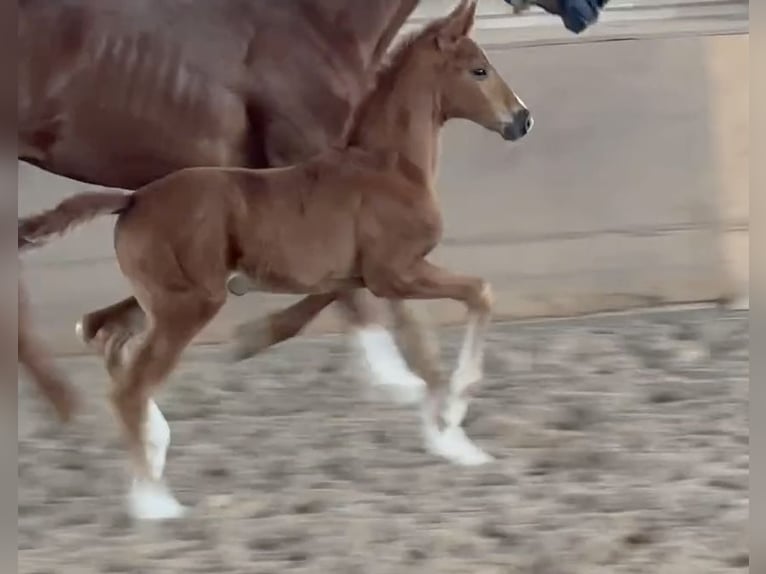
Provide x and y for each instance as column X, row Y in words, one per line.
column 621, row 444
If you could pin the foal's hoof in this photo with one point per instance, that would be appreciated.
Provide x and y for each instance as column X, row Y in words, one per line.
column 79, row 330
column 91, row 336
column 151, row 500
column 454, row 445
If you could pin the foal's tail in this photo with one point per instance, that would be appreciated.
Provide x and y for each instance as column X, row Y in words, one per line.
column 71, row 212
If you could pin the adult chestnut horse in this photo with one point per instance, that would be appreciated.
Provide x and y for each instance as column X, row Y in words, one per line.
column 122, row 93
column 361, row 214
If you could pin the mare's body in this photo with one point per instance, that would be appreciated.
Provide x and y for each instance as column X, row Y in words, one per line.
column 362, row 214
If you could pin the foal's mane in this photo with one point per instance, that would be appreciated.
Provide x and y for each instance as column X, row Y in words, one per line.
column 387, row 73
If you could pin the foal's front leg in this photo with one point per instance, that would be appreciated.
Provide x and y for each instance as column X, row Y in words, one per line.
column 382, row 360
column 446, row 405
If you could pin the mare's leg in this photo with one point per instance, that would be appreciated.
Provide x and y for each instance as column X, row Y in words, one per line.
column 137, row 372
column 445, row 408
column 40, row 366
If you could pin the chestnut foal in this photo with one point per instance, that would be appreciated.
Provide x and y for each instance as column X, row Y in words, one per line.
column 362, row 215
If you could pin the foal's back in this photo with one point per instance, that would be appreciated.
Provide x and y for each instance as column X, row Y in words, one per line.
column 293, row 229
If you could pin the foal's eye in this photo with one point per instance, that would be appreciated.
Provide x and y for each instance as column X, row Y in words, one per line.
column 479, row 72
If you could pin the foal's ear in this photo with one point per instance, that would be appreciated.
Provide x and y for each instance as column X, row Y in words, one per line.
column 457, row 24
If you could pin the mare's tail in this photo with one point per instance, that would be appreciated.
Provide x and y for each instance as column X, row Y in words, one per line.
column 71, row 212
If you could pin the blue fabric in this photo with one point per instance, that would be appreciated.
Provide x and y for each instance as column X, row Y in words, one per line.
column 577, row 15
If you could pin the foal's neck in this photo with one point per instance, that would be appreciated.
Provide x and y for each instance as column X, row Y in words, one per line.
column 402, row 117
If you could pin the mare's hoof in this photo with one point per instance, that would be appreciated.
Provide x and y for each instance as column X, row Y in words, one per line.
column 150, row 500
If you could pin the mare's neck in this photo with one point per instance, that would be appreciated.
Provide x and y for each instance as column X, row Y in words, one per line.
column 402, row 117
column 359, row 31
column 376, row 22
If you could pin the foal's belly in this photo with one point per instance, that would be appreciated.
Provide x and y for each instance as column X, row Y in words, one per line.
column 308, row 272
column 296, row 260
column 288, row 285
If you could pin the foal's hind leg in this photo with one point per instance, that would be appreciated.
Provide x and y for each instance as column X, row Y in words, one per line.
column 156, row 431
column 252, row 337
column 95, row 328
column 154, row 357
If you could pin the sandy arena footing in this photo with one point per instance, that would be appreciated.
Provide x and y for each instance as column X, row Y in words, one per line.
column 621, row 445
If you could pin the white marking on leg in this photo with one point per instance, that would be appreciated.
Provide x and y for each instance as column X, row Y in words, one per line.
column 386, row 366
column 157, row 440
column 451, row 442
column 470, row 365
column 152, row 500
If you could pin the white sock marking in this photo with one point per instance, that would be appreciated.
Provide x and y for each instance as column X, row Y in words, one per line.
column 152, row 500
column 451, row 443
column 157, row 439
column 386, row 365
column 469, row 366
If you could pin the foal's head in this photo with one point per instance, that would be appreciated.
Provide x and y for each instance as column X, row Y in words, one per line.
column 469, row 87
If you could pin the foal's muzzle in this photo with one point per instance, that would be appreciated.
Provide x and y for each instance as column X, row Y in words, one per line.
column 520, row 125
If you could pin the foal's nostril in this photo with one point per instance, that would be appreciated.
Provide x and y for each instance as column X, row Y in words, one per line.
column 519, row 126
column 524, row 119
